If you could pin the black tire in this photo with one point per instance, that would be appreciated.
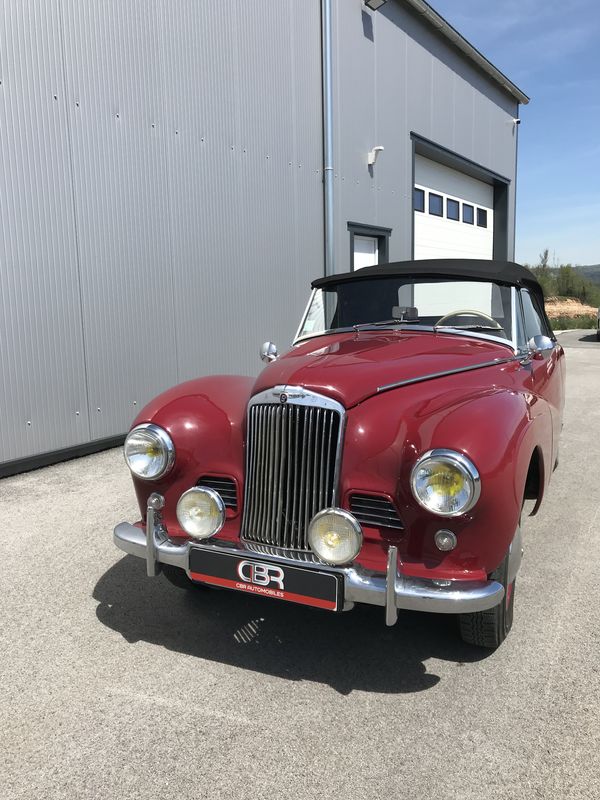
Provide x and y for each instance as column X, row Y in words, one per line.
column 490, row 628
column 598, row 334
column 177, row 577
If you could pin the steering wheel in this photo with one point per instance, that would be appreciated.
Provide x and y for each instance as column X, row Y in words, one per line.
column 489, row 321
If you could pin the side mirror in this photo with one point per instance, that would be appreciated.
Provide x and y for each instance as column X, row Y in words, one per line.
column 268, row 352
column 539, row 344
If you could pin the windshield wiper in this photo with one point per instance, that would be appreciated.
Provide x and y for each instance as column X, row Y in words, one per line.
column 382, row 322
column 468, row 328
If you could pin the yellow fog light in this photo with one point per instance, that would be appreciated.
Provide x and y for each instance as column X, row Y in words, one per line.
column 445, row 482
column 201, row 512
column 335, row 536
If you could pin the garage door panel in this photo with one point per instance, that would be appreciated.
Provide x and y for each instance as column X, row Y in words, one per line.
column 442, row 237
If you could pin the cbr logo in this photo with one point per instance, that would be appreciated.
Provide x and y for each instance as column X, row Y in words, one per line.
column 260, row 574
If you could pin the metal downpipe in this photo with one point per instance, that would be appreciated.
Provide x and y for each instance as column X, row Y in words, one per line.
column 327, row 72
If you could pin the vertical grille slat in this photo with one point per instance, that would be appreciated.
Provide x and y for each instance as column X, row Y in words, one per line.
column 290, row 471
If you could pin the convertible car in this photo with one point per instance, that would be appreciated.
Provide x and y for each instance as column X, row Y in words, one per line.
column 383, row 459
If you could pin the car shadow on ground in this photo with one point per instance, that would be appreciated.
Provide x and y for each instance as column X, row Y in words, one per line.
column 346, row 651
column 589, row 337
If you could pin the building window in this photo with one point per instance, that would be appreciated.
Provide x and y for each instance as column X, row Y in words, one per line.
column 452, row 209
column 368, row 245
column 419, row 200
column 366, row 251
column 481, row 218
column 468, row 214
column 436, row 204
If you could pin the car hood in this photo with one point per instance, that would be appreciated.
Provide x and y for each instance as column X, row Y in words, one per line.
column 350, row 367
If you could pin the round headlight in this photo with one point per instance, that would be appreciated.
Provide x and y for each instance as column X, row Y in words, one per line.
column 445, row 482
column 149, row 451
column 334, row 536
column 201, row 512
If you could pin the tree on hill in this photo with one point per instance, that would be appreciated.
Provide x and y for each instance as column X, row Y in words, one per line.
column 565, row 281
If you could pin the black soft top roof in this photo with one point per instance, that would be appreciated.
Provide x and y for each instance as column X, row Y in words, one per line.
column 463, row 268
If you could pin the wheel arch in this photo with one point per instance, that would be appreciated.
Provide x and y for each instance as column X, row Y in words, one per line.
column 535, row 480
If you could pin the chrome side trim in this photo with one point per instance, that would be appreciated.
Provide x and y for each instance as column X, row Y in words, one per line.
column 445, row 373
column 360, row 585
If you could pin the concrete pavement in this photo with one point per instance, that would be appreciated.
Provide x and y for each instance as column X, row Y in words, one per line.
column 116, row 686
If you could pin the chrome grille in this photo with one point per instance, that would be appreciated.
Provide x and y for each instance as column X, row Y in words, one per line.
column 290, row 470
column 374, row 511
column 224, row 486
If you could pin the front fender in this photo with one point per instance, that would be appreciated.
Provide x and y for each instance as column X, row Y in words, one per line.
column 205, row 418
column 497, row 428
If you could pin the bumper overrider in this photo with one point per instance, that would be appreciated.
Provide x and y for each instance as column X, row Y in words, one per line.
column 242, row 568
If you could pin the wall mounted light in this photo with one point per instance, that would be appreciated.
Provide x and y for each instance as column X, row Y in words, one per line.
column 375, row 4
column 372, row 155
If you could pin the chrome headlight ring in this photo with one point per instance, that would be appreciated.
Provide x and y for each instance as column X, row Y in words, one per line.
column 149, row 435
column 201, row 512
column 459, row 462
column 335, row 536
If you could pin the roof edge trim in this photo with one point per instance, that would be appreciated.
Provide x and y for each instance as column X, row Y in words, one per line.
column 459, row 41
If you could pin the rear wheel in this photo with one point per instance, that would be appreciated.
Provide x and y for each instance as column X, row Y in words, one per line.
column 491, row 627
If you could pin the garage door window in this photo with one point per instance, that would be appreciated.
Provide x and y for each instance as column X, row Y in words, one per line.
column 436, row 204
column 481, row 218
column 419, row 200
column 468, row 214
column 452, row 209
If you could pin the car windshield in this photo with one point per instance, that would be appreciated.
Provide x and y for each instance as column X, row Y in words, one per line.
column 470, row 305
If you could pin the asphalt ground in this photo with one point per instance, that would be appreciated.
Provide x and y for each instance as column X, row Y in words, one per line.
column 113, row 685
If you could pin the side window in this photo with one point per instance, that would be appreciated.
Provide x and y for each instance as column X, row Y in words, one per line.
column 534, row 322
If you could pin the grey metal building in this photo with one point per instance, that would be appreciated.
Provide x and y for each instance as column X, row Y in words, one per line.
column 174, row 173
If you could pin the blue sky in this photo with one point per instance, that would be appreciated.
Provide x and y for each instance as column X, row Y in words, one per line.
column 551, row 50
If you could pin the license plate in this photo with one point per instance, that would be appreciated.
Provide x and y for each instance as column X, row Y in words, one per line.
column 309, row 587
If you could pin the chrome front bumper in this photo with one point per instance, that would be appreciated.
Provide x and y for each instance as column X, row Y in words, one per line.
column 391, row 590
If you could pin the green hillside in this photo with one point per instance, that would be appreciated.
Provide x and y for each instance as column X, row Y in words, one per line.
column 566, row 281
column 591, row 272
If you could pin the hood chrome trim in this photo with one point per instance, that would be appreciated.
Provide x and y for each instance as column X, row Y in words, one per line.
column 445, row 373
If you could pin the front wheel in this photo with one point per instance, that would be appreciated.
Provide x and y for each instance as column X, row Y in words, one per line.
column 491, row 627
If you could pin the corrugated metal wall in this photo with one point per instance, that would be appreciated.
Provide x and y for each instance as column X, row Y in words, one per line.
column 161, row 186
column 160, row 205
column 394, row 75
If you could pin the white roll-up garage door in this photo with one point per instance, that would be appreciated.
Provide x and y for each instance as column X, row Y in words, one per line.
column 454, row 215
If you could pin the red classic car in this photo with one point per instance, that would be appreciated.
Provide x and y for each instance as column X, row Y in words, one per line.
column 383, row 459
